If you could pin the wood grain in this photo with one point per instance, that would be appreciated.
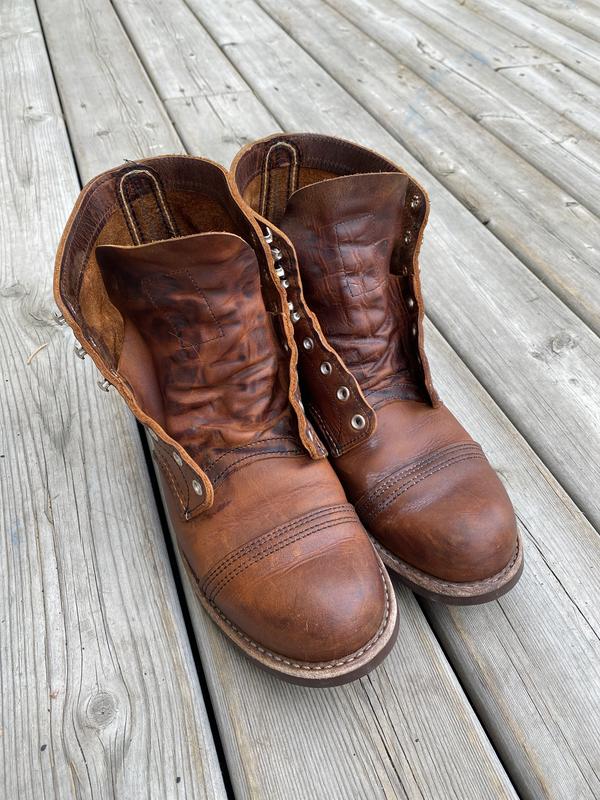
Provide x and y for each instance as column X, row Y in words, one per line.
column 100, row 695
column 582, row 16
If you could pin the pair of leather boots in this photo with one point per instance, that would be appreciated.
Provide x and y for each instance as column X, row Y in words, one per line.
column 266, row 326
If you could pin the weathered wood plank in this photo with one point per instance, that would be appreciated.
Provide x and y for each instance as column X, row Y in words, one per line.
column 100, row 694
column 537, row 72
column 285, row 741
column 511, row 656
column 582, row 16
column 545, row 227
column 571, row 47
column 560, row 150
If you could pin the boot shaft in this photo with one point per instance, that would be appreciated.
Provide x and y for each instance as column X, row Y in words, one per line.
column 353, row 222
column 169, row 287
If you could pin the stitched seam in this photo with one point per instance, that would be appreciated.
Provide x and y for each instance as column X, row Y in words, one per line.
column 254, row 552
column 245, row 446
column 168, row 474
column 452, row 584
column 258, row 557
column 418, row 479
column 413, row 467
column 417, row 475
column 228, row 469
column 264, row 538
column 314, row 667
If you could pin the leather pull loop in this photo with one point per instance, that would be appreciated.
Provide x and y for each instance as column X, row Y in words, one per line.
column 279, row 179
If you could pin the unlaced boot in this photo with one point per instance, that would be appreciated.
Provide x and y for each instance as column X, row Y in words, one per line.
column 347, row 225
column 169, row 287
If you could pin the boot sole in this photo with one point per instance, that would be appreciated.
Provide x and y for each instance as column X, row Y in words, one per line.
column 450, row 592
column 317, row 674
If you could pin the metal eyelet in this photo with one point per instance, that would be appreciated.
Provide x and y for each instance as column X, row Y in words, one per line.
column 358, row 422
column 410, row 302
column 308, row 343
column 177, row 458
column 296, row 317
column 343, row 393
column 58, row 318
column 415, row 201
column 268, row 235
column 104, row 385
column 290, row 306
column 277, row 254
column 280, row 272
column 197, row 487
column 80, row 351
column 326, row 368
column 407, row 237
column 285, row 283
column 414, row 330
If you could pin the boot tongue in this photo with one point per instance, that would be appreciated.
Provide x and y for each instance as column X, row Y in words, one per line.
column 197, row 303
column 344, row 231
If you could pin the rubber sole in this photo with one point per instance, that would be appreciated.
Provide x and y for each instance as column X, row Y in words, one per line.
column 321, row 674
column 454, row 593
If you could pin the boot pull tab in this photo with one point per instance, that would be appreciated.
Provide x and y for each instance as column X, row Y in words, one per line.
column 137, row 189
column 280, row 174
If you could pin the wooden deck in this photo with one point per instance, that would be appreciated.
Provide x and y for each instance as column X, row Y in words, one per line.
column 114, row 684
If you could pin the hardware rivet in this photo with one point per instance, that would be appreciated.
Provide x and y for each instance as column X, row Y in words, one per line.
column 414, row 329
column 415, row 201
column 296, row 316
column 268, row 235
column 285, row 283
column 277, row 254
column 407, row 237
column 410, row 302
column 280, row 272
column 104, row 385
column 326, row 368
column 197, row 487
column 290, row 306
column 80, row 351
column 177, row 458
column 308, row 343
column 343, row 393
column 358, row 422
column 58, row 318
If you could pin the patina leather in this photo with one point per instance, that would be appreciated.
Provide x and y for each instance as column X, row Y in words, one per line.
column 351, row 223
column 170, row 288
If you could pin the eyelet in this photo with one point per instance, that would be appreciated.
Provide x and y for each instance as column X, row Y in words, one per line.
column 407, row 237
column 197, row 487
column 268, row 235
column 410, row 302
column 177, row 458
column 415, row 201
column 358, row 422
column 285, row 283
column 296, row 317
column 326, row 368
column 414, row 330
column 308, row 343
column 280, row 272
column 277, row 254
column 343, row 393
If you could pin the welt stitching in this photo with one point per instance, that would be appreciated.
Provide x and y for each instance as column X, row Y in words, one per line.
column 256, row 554
column 254, row 543
column 407, row 470
column 298, row 536
column 418, row 479
column 306, row 666
column 406, row 473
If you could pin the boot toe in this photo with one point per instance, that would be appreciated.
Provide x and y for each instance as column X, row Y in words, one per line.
column 321, row 597
column 456, row 525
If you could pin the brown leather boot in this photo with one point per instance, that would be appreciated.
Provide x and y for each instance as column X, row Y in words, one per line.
column 168, row 287
column 353, row 222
